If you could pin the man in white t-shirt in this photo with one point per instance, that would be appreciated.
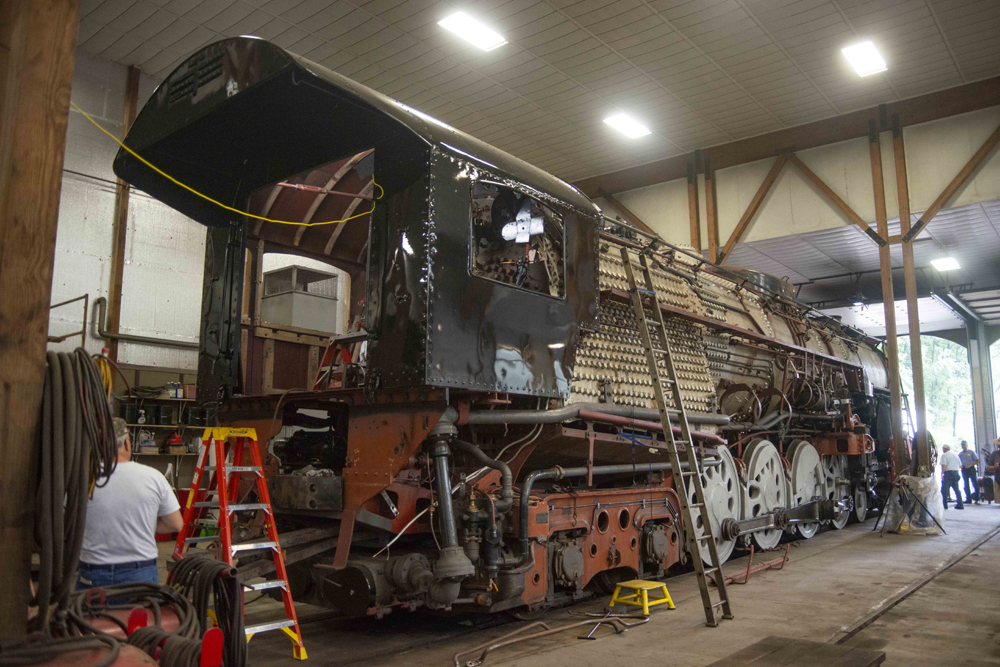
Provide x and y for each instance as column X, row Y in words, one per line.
column 951, row 467
column 119, row 544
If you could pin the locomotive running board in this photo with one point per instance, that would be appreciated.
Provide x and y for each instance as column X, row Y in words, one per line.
column 681, row 477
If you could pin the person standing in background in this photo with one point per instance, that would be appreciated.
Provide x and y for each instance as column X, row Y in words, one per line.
column 119, row 544
column 950, row 467
column 970, row 462
column 993, row 466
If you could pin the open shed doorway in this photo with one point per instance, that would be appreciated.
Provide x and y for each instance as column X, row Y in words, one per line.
column 947, row 390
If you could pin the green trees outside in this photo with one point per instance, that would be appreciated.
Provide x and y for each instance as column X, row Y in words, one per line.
column 947, row 387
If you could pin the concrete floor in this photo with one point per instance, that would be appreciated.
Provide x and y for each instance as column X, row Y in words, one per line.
column 831, row 583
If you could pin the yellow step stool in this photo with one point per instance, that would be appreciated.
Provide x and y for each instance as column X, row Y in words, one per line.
column 641, row 596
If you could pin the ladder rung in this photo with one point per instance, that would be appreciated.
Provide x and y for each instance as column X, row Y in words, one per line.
column 696, row 505
column 689, row 473
column 711, row 570
column 265, row 627
column 706, row 536
column 252, row 546
column 719, row 604
column 237, row 468
column 206, row 538
column 250, row 506
column 264, row 585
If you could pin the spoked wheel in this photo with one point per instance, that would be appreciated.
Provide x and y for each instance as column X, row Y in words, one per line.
column 808, row 481
column 724, row 499
column 860, row 504
column 766, row 489
column 836, row 468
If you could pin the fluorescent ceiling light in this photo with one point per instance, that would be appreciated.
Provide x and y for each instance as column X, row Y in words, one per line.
column 859, row 303
column 865, row 58
column 627, row 125
column 946, row 264
column 472, row 31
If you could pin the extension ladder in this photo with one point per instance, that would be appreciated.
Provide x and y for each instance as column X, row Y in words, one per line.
column 224, row 487
column 682, row 477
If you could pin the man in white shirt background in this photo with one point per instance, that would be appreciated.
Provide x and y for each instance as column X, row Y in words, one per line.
column 951, row 467
column 119, row 544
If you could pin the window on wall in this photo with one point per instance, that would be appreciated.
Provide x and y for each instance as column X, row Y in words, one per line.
column 516, row 240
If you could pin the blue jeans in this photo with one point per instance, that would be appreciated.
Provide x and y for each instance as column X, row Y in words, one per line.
column 949, row 481
column 99, row 576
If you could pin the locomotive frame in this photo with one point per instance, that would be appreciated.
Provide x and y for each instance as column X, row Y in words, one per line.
column 461, row 368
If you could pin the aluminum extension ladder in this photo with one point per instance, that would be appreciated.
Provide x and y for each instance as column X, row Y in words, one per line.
column 224, row 487
column 692, row 475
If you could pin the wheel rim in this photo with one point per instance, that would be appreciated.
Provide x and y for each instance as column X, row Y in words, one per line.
column 835, row 467
column 766, row 489
column 860, row 504
column 724, row 499
column 808, row 482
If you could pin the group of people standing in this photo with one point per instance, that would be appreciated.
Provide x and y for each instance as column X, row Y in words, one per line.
column 965, row 466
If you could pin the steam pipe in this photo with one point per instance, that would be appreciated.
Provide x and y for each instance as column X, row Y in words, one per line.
column 654, row 426
column 506, row 478
column 100, row 312
column 557, row 415
column 561, row 473
column 440, row 455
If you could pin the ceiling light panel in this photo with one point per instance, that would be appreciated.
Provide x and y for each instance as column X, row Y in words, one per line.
column 865, row 58
column 473, row 31
column 627, row 125
column 946, row 264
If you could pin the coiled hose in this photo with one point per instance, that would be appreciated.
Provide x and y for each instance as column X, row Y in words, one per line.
column 196, row 577
column 77, row 450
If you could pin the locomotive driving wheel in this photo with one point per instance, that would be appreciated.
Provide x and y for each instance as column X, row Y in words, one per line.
column 808, row 481
column 724, row 499
column 766, row 490
column 836, row 467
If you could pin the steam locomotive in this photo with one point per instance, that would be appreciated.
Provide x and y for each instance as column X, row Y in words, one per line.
column 485, row 437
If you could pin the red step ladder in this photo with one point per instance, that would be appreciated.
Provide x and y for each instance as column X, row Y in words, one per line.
column 225, row 488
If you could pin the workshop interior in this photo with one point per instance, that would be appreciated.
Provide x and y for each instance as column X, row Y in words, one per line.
column 501, row 333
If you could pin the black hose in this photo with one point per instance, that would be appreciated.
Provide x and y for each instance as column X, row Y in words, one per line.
column 40, row 648
column 196, row 577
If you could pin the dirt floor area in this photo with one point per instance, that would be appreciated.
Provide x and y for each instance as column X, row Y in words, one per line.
column 838, row 586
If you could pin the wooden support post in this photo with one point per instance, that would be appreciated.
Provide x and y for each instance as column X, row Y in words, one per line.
column 627, row 214
column 712, row 213
column 889, row 305
column 122, row 189
column 837, row 201
column 912, row 308
column 37, row 41
column 758, row 199
column 960, row 178
column 693, row 213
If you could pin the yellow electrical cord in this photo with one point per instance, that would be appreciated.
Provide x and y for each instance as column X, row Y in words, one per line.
column 218, row 203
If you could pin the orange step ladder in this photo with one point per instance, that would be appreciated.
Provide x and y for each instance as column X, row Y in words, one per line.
column 219, row 440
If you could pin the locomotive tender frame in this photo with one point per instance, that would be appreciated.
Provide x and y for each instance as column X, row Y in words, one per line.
column 498, row 448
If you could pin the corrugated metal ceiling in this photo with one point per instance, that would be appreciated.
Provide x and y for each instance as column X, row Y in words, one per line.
column 970, row 234
column 698, row 73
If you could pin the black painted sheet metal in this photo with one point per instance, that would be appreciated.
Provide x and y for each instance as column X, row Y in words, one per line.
column 487, row 336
